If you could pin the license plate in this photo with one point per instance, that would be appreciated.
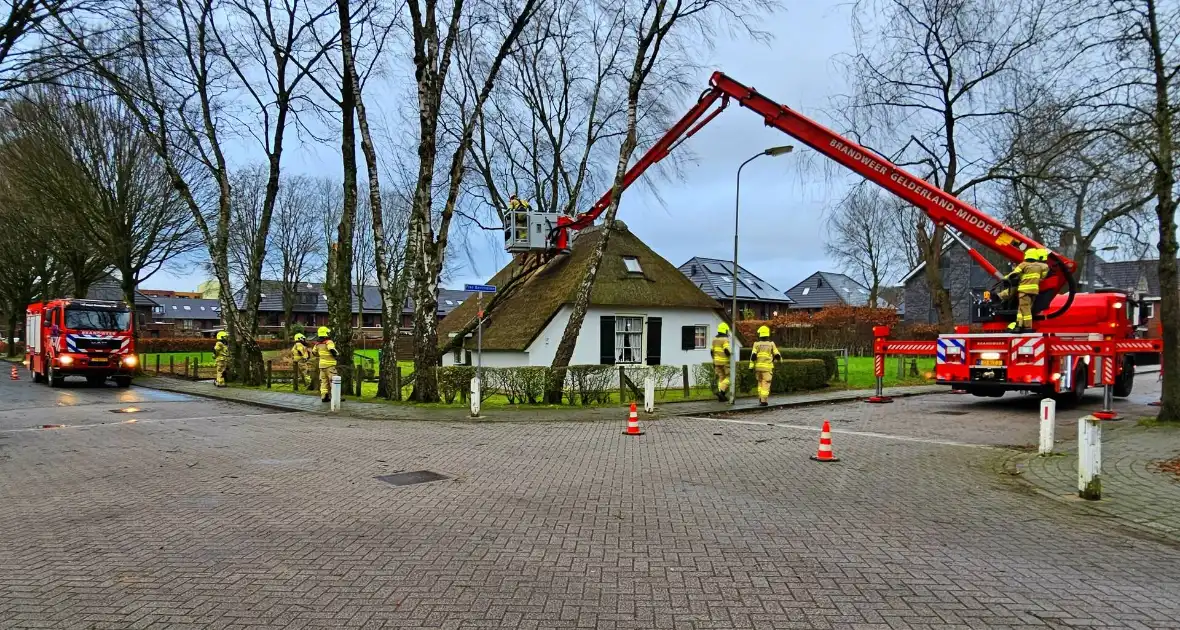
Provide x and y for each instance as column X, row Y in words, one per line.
column 991, row 362
column 98, row 360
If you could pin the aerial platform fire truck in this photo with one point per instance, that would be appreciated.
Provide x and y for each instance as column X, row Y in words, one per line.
column 90, row 338
column 1078, row 340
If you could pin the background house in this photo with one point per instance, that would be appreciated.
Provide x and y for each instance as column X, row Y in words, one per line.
column 756, row 296
column 182, row 317
column 961, row 276
column 1139, row 278
column 825, row 288
column 311, row 308
column 642, row 310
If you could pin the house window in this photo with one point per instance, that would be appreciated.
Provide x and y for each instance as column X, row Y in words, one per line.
column 304, row 298
column 806, row 290
column 186, row 324
column 628, row 339
column 702, row 337
column 632, row 264
column 1150, row 310
column 157, row 310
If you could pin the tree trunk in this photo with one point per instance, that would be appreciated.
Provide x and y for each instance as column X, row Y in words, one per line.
column 425, row 320
column 1164, row 185
column 339, row 278
column 13, row 319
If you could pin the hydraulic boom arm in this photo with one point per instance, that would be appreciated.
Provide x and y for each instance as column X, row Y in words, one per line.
column 942, row 208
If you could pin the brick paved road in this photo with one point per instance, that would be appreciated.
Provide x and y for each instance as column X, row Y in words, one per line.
column 276, row 520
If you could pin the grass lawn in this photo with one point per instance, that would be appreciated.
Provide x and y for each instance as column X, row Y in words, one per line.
column 860, row 372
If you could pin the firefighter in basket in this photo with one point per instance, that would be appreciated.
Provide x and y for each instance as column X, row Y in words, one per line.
column 1027, row 277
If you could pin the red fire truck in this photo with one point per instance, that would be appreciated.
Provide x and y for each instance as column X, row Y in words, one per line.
column 90, row 338
column 1078, row 340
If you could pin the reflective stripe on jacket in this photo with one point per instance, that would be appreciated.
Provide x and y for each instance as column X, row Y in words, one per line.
column 720, row 350
column 762, row 356
column 324, row 352
column 299, row 351
column 220, row 350
column 1031, row 273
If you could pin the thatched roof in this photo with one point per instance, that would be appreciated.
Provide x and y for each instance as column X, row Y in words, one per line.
column 520, row 317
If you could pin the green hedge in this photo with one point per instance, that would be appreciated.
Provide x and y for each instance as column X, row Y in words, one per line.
column 829, row 358
column 790, row 375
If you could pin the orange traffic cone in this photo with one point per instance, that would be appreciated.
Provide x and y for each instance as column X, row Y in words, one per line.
column 633, row 423
column 14, row 375
column 825, row 446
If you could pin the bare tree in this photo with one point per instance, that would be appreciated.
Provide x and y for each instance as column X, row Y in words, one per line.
column 926, row 76
column 295, row 251
column 45, row 181
column 1127, row 50
column 859, row 237
column 652, row 30
column 493, row 28
column 118, row 197
column 30, row 52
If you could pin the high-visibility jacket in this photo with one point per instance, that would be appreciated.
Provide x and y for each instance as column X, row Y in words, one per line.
column 720, row 350
column 220, row 350
column 1031, row 273
column 324, row 350
column 762, row 356
column 299, row 351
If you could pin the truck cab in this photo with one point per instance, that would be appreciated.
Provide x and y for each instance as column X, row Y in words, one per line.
column 88, row 338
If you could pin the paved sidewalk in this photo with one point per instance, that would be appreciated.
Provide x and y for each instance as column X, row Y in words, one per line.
column 1134, row 489
column 286, row 401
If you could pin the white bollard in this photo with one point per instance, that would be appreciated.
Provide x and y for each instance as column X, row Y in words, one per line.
column 1090, row 458
column 475, row 397
column 335, row 400
column 649, row 391
column 1048, row 425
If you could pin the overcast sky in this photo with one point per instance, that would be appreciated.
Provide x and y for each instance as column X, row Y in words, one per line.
column 783, row 205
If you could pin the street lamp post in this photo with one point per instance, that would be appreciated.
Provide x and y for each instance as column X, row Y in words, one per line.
column 737, row 200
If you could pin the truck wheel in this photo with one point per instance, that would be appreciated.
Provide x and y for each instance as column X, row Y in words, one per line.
column 1073, row 397
column 1125, row 381
column 96, row 381
column 123, row 381
column 55, row 379
column 37, row 376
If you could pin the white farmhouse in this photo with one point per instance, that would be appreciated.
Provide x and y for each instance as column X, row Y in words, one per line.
column 643, row 311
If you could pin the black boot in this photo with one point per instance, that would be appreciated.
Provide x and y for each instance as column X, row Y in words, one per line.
column 722, row 397
column 763, row 403
column 326, row 399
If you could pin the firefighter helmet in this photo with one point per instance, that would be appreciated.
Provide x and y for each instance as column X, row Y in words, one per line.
column 1043, row 255
column 722, row 328
column 222, row 335
column 299, row 337
column 1032, row 254
column 324, row 332
column 764, row 332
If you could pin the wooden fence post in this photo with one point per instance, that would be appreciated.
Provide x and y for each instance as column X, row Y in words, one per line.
column 296, row 375
column 157, row 365
column 397, row 381
column 359, row 378
column 622, row 385
column 268, row 372
column 171, row 365
column 684, row 374
column 186, row 367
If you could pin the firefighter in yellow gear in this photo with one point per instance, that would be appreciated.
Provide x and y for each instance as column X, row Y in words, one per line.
column 1027, row 276
column 325, row 349
column 762, row 358
column 721, row 352
column 522, row 225
column 220, row 358
column 299, row 356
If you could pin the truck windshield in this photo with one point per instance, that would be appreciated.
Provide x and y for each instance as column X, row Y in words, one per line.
column 97, row 319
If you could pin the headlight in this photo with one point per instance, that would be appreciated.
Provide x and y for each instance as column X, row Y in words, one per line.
column 990, row 356
column 1118, row 304
column 65, row 359
column 130, row 360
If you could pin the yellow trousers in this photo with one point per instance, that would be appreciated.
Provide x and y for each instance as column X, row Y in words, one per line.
column 221, row 365
column 722, row 374
column 326, row 374
column 764, row 378
column 1024, row 316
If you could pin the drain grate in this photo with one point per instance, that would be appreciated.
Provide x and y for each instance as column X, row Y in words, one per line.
column 947, row 412
column 411, row 478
